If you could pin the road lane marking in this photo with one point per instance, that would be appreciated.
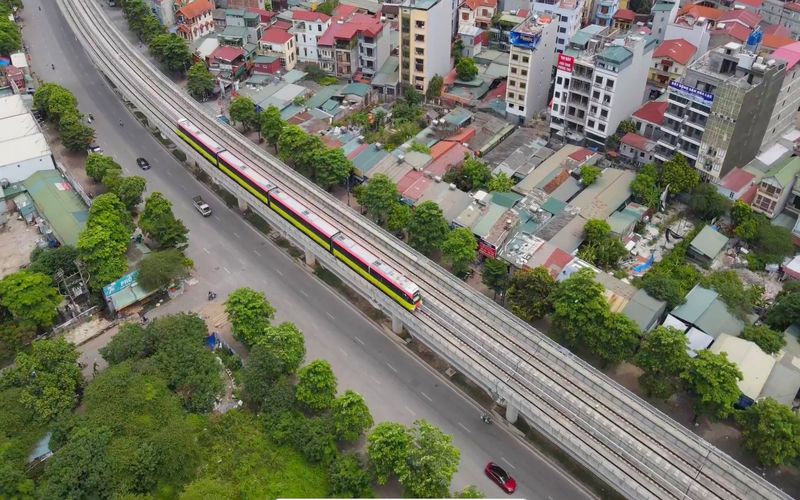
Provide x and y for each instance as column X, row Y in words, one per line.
column 413, row 414
column 217, row 217
column 507, row 462
column 344, row 352
column 331, row 316
column 391, row 367
column 256, row 252
column 242, row 262
column 464, row 427
column 303, row 293
column 426, row 396
column 376, row 381
column 237, row 235
column 226, row 270
column 358, row 340
column 169, row 173
column 206, row 250
column 280, row 273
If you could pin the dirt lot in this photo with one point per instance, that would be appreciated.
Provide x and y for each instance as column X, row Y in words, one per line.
column 17, row 241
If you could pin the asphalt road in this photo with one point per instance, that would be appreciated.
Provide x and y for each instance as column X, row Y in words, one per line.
column 229, row 254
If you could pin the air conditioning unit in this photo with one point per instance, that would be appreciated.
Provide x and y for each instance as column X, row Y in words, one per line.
column 401, row 157
column 378, row 145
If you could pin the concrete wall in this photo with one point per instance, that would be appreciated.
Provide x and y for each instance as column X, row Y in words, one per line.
column 18, row 172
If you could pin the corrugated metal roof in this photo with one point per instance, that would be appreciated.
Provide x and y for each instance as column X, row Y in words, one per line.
column 697, row 301
column 754, row 363
column 709, row 242
column 57, row 202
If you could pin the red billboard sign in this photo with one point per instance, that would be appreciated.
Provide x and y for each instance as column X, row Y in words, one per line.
column 565, row 63
column 487, row 250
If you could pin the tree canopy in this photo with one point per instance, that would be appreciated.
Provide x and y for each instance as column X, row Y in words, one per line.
column 351, row 416
column 466, row 69
column 286, row 343
column 49, row 261
column 495, row 275
column 159, row 223
column 679, row 175
column 104, row 243
column 460, row 249
column 272, row 125
column 316, row 386
column 530, row 294
column 706, row 203
column 172, row 52
column 771, row 432
column 428, row 228
column 663, row 358
column 765, row 337
column 712, row 379
column 579, row 307
column 160, row 269
column 378, row 197
column 30, row 296
column 200, row 81
column 590, row 174
column 243, row 110
column 250, row 314
column 348, row 479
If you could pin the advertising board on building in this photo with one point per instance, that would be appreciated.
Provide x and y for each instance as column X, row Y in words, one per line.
column 524, row 40
column 691, row 93
column 120, row 284
column 565, row 63
column 487, row 249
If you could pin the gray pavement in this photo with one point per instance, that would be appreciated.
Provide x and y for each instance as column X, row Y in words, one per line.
column 229, row 254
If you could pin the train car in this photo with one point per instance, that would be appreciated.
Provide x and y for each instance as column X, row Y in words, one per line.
column 244, row 175
column 199, row 141
column 377, row 272
column 302, row 218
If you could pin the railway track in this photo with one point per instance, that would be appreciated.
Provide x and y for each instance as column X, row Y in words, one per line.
column 656, row 457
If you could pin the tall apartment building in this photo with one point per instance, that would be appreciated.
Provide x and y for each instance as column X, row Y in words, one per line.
column 567, row 14
column 604, row 12
column 530, row 65
column 782, row 13
column 425, row 35
column 788, row 102
column 357, row 43
column 307, row 28
column 251, row 21
column 600, row 81
column 718, row 115
column 664, row 13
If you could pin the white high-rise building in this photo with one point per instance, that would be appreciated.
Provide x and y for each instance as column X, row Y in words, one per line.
column 530, row 66
column 566, row 13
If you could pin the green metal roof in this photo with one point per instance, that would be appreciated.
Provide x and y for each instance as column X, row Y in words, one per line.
column 265, row 59
column 553, row 206
column 785, row 172
column 57, row 202
column 485, row 223
column 234, row 12
column 709, row 242
column 507, row 200
column 359, row 89
column 368, row 158
column 234, row 32
column 697, row 301
column 615, row 54
column 662, row 7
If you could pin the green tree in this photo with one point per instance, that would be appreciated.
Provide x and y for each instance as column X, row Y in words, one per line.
column 399, row 218
column 706, row 203
column 172, row 52
column 579, row 307
column 388, row 446
column 250, row 314
column 662, row 287
column 430, row 463
column 151, row 28
column 434, row 89
column 112, row 179
column 712, row 379
column 209, row 487
column 10, row 37
column 469, row 492
column 475, row 174
column 331, row 167
column 590, row 174
column 616, row 340
column 645, row 187
column 605, row 253
column 200, row 81
column 530, row 294
column 771, row 432
column 466, row 69
column 49, row 378
column 286, row 343
column 663, row 357
column 348, row 479
column 160, row 269
column 765, row 337
column 82, row 468
column 299, row 149
column 263, row 369
column 351, row 416
column 61, row 102
column 316, row 386
column 495, row 275
column 316, row 441
column 460, row 249
column 596, row 230
column 272, row 125
column 740, row 300
column 104, row 243
column 131, row 342
column 75, row 135
column 773, row 243
column 427, row 229
column 97, row 165
column 130, row 190
column 159, row 223
column 41, row 98
column 785, row 311
column 378, row 197
column 30, row 297
column 679, row 175
column 500, row 183
column 243, row 110
column 740, row 212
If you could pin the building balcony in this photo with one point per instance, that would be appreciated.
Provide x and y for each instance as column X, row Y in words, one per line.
column 688, row 154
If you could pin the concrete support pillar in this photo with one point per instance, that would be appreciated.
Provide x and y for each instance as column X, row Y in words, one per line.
column 397, row 324
column 242, row 204
column 310, row 260
column 511, row 414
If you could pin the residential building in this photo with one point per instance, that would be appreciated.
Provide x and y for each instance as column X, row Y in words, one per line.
column 754, row 365
column 624, row 19
column 249, row 4
column 740, row 184
column 705, row 310
column 425, row 35
column 706, row 246
column 251, row 21
column 227, row 62
column 530, row 63
column 307, row 28
column 604, row 11
column 775, row 187
column 636, row 149
column 266, row 65
column 600, row 81
column 567, row 13
column 753, row 6
column 473, row 39
column 788, row 102
column 24, row 148
column 195, row 20
column 783, row 13
column 664, row 13
column 279, row 43
column 670, row 60
column 477, row 13
column 694, row 24
column 649, row 118
column 718, row 114
column 358, row 43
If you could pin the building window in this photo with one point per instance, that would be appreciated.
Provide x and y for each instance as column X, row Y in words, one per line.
column 598, row 80
column 465, row 16
column 562, row 29
column 510, row 105
column 419, row 38
column 610, row 84
column 522, row 85
column 510, row 95
column 522, row 108
column 512, row 83
column 601, row 127
column 561, row 41
column 590, row 123
column 558, row 80
column 557, row 95
column 595, row 95
column 524, row 72
column 515, row 57
column 604, row 113
column 525, row 59
column 513, row 70
column 593, row 110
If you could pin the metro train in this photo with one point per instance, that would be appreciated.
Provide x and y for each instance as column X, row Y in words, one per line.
column 332, row 239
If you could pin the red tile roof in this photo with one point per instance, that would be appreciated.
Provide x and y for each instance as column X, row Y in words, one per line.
column 407, row 182
column 652, row 112
column 636, row 141
column 265, row 15
column 750, row 194
column 776, row 41
column 777, row 30
column 789, row 53
column 357, row 151
column 524, row 13
column 733, row 30
column 276, row 35
column 745, row 17
column 348, row 28
column 737, row 179
column 679, row 50
column 557, row 261
column 281, row 25
column 794, row 7
column 461, row 137
column 750, row 3
column 625, row 15
column 698, row 11
column 452, row 157
column 474, row 4
column 307, row 15
column 196, row 8
column 343, row 10
column 227, row 53
column 582, row 155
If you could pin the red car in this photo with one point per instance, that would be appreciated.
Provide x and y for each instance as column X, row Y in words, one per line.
column 501, row 477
